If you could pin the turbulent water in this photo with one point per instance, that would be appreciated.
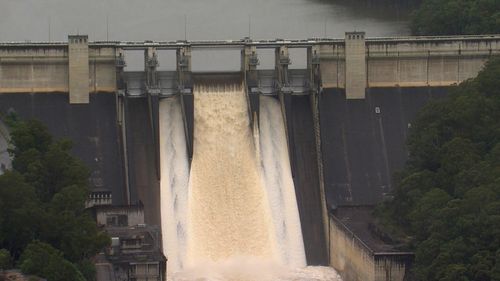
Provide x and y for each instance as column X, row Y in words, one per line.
column 174, row 183
column 237, row 218
column 229, row 213
column 277, row 175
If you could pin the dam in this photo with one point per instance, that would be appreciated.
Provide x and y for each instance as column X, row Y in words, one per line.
column 344, row 119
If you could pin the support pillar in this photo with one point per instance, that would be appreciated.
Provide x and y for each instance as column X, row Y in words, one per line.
column 183, row 68
column 184, row 86
column 355, row 61
column 282, row 61
column 121, row 84
column 151, row 64
column 152, row 92
column 313, row 67
column 121, row 111
column 78, row 56
column 249, row 63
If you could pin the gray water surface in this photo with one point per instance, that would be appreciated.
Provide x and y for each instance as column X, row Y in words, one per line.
column 138, row 20
column 206, row 19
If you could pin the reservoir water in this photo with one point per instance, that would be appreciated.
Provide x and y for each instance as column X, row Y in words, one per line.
column 161, row 20
column 203, row 19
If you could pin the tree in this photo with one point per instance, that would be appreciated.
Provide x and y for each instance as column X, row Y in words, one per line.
column 5, row 260
column 20, row 213
column 43, row 221
column 447, row 200
column 46, row 164
column 43, row 260
column 454, row 17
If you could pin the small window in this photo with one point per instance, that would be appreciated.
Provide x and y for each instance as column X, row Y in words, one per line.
column 152, row 269
column 111, row 221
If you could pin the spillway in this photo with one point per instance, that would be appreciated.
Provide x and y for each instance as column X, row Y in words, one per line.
column 174, row 183
column 229, row 213
column 233, row 215
column 277, row 174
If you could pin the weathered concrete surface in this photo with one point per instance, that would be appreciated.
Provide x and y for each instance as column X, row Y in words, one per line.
column 355, row 61
column 359, row 256
column 306, row 177
column 404, row 61
column 78, row 56
column 345, row 63
column 46, row 69
column 91, row 127
column 362, row 146
column 141, row 149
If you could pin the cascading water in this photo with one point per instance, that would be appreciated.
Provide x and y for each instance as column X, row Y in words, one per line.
column 174, row 182
column 279, row 183
column 228, row 207
column 237, row 219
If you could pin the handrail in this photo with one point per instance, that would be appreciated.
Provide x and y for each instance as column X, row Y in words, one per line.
column 264, row 43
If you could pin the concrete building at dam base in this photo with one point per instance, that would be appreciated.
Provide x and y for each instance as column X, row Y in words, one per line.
column 347, row 114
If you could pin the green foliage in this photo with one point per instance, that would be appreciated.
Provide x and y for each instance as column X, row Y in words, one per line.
column 46, row 164
column 43, row 199
column 87, row 268
column 20, row 213
column 43, row 260
column 5, row 260
column 447, row 199
column 453, row 17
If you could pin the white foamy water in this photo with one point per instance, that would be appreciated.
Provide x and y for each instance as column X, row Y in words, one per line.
column 228, row 208
column 237, row 219
column 277, row 175
column 253, row 269
column 174, row 182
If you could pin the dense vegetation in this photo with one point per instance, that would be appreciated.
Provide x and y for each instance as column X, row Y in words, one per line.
column 453, row 17
column 447, row 201
column 44, row 228
column 444, row 17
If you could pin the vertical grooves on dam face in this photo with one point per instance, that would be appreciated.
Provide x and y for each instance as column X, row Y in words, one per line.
column 306, row 177
column 144, row 184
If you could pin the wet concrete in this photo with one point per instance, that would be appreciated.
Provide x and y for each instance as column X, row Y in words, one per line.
column 188, row 112
column 142, row 158
column 363, row 141
column 302, row 144
column 92, row 128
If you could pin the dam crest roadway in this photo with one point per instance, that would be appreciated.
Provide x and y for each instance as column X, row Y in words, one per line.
column 354, row 63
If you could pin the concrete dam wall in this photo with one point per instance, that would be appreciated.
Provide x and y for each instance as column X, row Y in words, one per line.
column 92, row 128
column 346, row 114
column 363, row 140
